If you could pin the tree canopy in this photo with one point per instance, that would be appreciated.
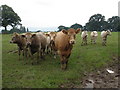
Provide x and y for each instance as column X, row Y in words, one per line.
column 9, row 17
column 76, row 26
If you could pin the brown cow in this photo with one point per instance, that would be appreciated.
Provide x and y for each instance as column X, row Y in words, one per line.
column 48, row 48
column 64, row 41
column 28, row 36
column 38, row 44
column 20, row 40
column 52, row 42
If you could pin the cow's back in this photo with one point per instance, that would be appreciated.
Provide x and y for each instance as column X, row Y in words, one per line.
column 103, row 33
column 61, row 41
column 42, row 39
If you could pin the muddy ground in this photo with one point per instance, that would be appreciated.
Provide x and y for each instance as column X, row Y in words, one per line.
column 100, row 78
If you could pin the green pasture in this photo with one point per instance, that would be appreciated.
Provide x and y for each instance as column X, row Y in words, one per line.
column 48, row 74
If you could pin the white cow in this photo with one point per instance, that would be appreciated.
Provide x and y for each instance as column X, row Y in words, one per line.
column 48, row 38
column 84, row 37
column 93, row 36
column 104, row 35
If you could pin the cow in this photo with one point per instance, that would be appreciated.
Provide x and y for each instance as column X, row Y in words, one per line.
column 20, row 40
column 28, row 36
column 84, row 37
column 38, row 44
column 48, row 39
column 104, row 35
column 64, row 42
column 93, row 36
column 52, row 42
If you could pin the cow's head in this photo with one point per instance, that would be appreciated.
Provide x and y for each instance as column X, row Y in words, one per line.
column 71, row 34
column 52, row 36
column 108, row 32
column 28, row 38
column 15, row 38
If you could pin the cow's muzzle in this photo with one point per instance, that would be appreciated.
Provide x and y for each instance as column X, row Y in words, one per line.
column 72, row 42
column 11, row 41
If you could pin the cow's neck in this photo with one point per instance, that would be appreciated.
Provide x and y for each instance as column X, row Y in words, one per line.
column 106, row 35
column 20, row 42
column 69, row 46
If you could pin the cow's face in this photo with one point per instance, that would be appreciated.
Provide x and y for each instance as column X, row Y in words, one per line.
column 52, row 36
column 71, row 34
column 15, row 38
column 28, row 38
column 108, row 32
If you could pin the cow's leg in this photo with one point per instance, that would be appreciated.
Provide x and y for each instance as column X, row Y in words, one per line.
column 19, row 52
column 103, row 42
column 46, row 49
column 94, row 41
column 29, row 52
column 38, row 57
column 62, row 62
column 86, row 41
column 32, row 59
column 91, row 41
column 43, row 53
column 66, row 60
column 49, row 49
column 26, row 52
column 82, row 43
column 55, row 53
column 23, row 52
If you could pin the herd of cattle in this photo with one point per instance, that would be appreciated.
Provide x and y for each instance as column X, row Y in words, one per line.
column 60, row 43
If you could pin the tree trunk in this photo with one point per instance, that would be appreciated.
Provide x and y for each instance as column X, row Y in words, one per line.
column 5, row 28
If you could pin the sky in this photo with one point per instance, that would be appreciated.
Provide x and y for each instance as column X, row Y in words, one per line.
column 49, row 14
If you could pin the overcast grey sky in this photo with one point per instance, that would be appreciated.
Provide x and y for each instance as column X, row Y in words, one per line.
column 39, row 14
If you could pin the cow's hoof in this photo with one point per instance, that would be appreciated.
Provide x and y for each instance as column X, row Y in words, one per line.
column 54, row 57
column 64, row 67
column 32, row 63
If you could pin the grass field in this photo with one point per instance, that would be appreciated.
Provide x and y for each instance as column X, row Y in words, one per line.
column 48, row 74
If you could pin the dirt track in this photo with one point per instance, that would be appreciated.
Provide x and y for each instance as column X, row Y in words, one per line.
column 100, row 78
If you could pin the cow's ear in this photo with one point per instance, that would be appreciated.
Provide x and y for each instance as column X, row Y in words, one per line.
column 23, row 35
column 65, row 31
column 16, row 34
column 47, row 34
column 78, row 30
column 33, row 35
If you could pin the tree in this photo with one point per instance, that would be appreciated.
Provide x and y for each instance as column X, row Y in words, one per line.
column 0, row 16
column 96, row 22
column 27, row 30
column 75, row 26
column 9, row 17
column 62, row 27
column 22, row 29
column 114, row 23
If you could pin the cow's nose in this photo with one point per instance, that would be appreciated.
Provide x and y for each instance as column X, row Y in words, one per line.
column 51, row 41
column 28, row 43
column 72, row 42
